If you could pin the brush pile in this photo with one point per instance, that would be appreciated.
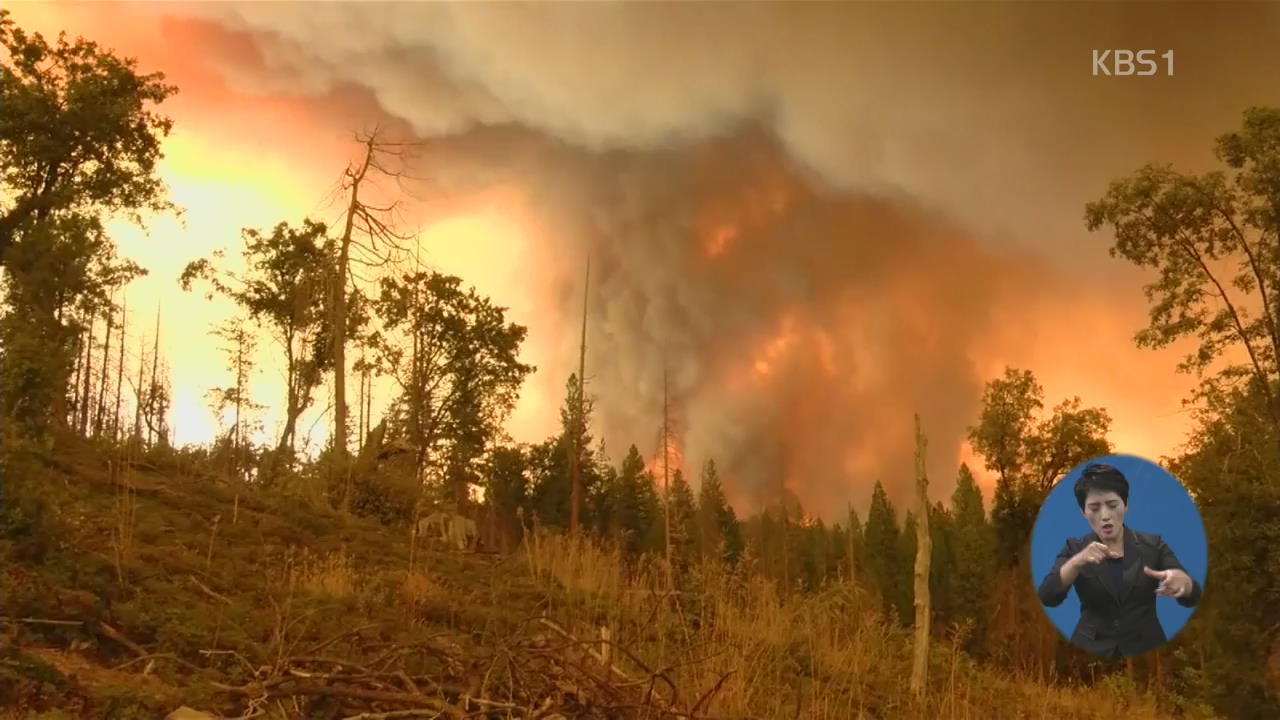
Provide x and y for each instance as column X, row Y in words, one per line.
column 543, row 672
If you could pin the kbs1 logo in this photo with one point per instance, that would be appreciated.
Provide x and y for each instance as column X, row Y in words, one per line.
column 1131, row 62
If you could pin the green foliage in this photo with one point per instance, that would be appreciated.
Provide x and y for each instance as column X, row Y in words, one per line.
column 1028, row 454
column 76, row 137
column 634, row 506
column 973, row 553
column 30, row 682
column 77, row 146
column 883, row 547
column 908, row 543
column 285, row 290
column 943, row 570
column 455, row 361
column 1211, row 240
column 1009, row 405
column 684, row 524
column 1229, row 471
column 552, row 473
column 507, row 492
column 719, row 534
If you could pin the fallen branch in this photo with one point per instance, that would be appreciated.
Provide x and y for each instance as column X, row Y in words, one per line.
column 252, row 670
column 110, row 632
column 40, row 621
column 209, row 592
column 629, row 681
column 706, row 696
column 394, row 714
column 438, row 706
column 157, row 656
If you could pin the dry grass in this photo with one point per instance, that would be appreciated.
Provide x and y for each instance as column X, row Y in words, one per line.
column 332, row 574
column 825, row 656
column 419, row 589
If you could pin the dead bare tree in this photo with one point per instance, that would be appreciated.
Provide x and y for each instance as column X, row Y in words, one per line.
column 580, row 415
column 369, row 238
column 153, row 388
column 924, row 552
column 666, row 476
column 124, row 324
column 100, row 413
column 853, row 560
column 82, row 404
column 138, row 390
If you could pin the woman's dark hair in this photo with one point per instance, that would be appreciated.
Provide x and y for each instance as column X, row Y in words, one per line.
column 1101, row 478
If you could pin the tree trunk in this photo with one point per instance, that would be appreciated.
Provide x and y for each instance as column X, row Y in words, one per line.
column 100, row 416
column 124, row 323
column 77, row 368
column 339, row 321
column 853, row 562
column 155, row 382
column 138, row 391
column 240, row 390
column 666, row 478
column 920, row 661
column 83, row 405
column 575, row 469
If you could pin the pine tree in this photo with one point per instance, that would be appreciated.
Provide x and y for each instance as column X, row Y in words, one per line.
column 855, row 559
column 942, row 570
column 634, row 504
column 553, row 465
column 973, row 550
column 719, row 535
column 601, row 485
column 684, row 524
column 907, row 542
column 816, row 556
column 882, row 546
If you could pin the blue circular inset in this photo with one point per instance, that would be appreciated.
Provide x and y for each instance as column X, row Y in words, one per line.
column 1158, row 505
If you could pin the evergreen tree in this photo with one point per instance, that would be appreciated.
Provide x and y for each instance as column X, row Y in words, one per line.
column 906, row 568
column 815, row 557
column 882, row 546
column 602, row 481
column 719, row 534
column 684, row 524
column 634, row 506
column 553, row 477
column 855, row 541
column 942, row 569
column 973, row 552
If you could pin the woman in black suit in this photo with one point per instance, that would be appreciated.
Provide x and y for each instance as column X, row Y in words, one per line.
column 1117, row 573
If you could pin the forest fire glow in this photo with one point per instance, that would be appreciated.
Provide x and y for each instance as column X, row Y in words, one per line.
column 674, row 462
column 720, row 239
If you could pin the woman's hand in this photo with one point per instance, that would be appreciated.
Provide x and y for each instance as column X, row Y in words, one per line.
column 1093, row 554
column 1174, row 583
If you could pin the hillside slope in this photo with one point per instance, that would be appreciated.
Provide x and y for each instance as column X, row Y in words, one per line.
column 127, row 594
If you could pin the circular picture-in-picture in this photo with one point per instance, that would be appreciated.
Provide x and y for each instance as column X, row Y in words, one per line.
column 1118, row 556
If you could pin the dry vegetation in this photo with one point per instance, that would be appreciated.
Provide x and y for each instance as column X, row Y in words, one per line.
column 292, row 610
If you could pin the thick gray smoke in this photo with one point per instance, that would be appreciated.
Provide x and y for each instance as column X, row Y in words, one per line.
column 780, row 200
column 799, row 329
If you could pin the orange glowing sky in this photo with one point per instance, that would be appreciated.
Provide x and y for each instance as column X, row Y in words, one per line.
column 238, row 159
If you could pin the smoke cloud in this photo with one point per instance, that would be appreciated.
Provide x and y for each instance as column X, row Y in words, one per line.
column 814, row 216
